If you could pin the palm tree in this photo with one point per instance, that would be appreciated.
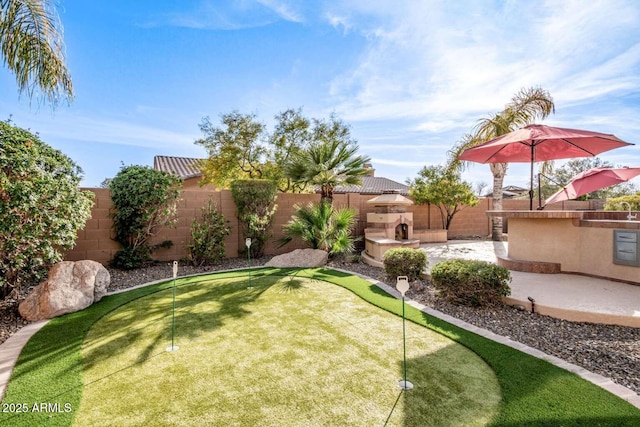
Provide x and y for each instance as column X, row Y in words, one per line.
column 32, row 48
column 525, row 107
column 327, row 164
column 322, row 227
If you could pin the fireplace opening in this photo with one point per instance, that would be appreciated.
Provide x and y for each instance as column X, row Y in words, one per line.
column 402, row 232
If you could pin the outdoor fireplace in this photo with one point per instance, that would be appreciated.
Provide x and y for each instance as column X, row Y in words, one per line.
column 402, row 232
column 389, row 226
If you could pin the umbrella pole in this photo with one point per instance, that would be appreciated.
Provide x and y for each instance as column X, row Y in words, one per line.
column 533, row 148
column 539, row 193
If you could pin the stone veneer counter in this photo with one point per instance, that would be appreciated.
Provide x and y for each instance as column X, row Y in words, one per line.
column 567, row 241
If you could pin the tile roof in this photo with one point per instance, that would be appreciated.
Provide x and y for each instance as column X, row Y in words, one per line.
column 184, row 167
column 373, row 185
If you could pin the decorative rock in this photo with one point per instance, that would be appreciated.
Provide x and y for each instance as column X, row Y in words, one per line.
column 70, row 286
column 300, row 258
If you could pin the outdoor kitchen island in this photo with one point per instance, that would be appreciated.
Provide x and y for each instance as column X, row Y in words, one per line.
column 596, row 243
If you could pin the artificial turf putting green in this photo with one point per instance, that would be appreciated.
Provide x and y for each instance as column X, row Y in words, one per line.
column 534, row 392
column 289, row 352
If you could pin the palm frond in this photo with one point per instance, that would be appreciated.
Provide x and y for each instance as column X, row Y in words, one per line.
column 322, row 227
column 32, row 48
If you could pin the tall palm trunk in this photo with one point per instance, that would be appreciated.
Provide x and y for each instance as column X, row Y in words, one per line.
column 499, row 170
column 326, row 193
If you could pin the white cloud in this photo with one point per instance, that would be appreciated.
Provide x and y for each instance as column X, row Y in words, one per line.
column 429, row 59
column 284, row 9
column 431, row 69
column 107, row 130
column 230, row 15
column 401, row 163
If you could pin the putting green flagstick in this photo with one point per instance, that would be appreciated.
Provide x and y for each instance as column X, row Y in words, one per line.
column 247, row 243
column 402, row 285
column 173, row 311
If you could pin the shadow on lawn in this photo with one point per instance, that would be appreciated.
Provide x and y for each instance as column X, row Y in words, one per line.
column 536, row 392
column 232, row 299
column 57, row 347
column 54, row 351
column 450, row 388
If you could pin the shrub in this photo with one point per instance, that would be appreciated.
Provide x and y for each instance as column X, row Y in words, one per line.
column 254, row 199
column 41, row 206
column 474, row 283
column 144, row 200
column 207, row 236
column 322, row 226
column 405, row 262
column 615, row 203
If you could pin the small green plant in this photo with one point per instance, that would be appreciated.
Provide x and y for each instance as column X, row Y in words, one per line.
column 473, row 283
column 144, row 200
column 129, row 258
column 322, row 226
column 207, row 236
column 405, row 262
column 254, row 199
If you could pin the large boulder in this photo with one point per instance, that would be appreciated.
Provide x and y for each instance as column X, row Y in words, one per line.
column 70, row 286
column 300, row 258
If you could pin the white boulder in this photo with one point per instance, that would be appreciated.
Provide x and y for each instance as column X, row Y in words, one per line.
column 300, row 258
column 70, row 286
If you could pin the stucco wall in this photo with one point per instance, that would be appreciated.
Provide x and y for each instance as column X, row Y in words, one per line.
column 578, row 249
column 551, row 240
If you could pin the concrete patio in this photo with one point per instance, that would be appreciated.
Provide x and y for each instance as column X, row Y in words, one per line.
column 566, row 296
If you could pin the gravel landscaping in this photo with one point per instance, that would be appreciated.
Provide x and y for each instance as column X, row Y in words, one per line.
column 612, row 351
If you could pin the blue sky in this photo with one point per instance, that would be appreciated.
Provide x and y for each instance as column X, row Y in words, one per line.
column 410, row 77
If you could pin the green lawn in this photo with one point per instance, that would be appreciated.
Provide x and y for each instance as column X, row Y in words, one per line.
column 290, row 351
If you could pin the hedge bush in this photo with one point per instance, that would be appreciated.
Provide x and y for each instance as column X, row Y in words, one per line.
column 615, row 203
column 405, row 262
column 474, row 283
column 255, row 203
column 207, row 236
column 41, row 207
column 144, row 201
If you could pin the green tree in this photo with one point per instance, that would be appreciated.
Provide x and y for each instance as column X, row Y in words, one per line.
column 329, row 161
column 442, row 187
column 234, row 150
column 41, row 206
column 322, row 226
column 292, row 135
column 242, row 149
column 255, row 203
column 523, row 109
column 33, row 49
column 144, row 200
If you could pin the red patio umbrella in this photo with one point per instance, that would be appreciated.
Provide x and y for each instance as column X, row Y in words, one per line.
column 538, row 143
column 592, row 180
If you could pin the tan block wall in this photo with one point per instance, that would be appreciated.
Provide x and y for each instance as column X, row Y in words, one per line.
column 472, row 221
column 95, row 240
